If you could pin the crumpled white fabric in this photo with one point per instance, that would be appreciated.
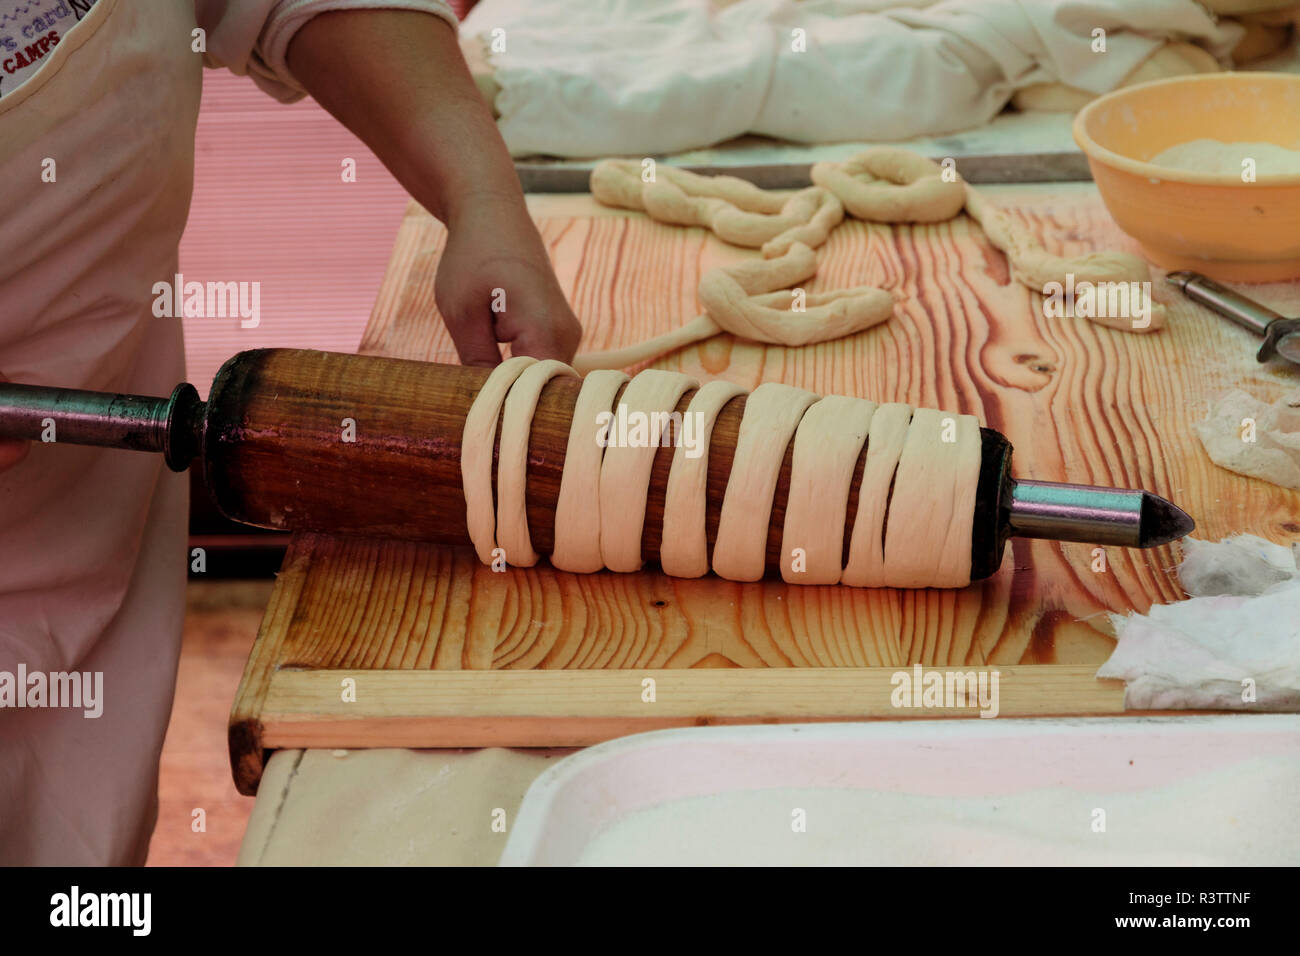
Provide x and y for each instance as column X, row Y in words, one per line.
column 635, row 77
column 1274, row 452
column 1243, row 621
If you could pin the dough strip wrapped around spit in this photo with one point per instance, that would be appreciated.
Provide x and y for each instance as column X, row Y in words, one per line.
column 772, row 413
column 684, row 549
column 827, row 445
column 866, row 567
column 625, row 470
column 577, row 523
column 931, row 512
column 477, row 442
column 916, row 498
column 512, row 460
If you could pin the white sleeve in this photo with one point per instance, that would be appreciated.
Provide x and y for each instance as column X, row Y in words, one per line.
column 251, row 37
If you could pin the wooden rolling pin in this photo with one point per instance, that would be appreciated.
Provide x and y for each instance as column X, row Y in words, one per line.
column 272, row 442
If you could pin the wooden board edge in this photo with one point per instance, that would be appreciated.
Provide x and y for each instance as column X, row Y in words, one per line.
column 244, row 730
column 577, row 708
column 456, row 733
column 247, row 755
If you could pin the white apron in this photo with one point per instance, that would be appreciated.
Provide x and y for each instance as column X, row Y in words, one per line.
column 93, row 541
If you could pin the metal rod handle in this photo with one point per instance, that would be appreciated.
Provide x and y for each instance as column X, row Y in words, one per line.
column 1235, row 306
column 135, row 422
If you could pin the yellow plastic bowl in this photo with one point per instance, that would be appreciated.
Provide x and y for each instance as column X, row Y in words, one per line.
column 1215, row 224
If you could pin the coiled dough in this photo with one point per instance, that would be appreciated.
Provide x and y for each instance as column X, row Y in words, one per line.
column 884, row 184
column 912, row 528
column 866, row 567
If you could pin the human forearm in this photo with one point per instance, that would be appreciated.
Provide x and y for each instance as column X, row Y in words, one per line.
column 415, row 105
column 397, row 80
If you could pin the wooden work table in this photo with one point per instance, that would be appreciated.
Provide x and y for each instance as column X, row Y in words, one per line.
column 451, row 654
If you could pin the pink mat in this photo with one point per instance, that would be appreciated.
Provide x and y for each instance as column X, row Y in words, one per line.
column 270, row 206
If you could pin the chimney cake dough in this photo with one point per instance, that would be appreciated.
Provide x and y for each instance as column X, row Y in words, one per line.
column 916, row 500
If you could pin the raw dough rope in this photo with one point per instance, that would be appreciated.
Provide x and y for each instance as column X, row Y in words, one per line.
column 1035, row 267
column 891, row 185
column 886, row 184
column 742, row 299
column 730, row 297
column 735, row 210
column 916, row 499
column 882, row 184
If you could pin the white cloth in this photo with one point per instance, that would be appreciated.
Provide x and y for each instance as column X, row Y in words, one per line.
column 1243, row 565
column 1273, row 451
column 646, row 77
column 1243, row 623
column 92, row 541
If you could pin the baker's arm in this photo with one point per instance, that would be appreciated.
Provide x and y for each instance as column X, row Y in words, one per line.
column 397, row 79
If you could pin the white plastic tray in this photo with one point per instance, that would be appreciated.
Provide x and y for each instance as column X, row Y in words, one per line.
column 1097, row 791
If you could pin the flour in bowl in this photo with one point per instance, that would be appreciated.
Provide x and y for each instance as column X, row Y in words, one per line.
column 1225, row 159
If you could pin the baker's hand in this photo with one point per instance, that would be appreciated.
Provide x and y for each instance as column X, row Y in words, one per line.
column 12, row 451
column 495, row 284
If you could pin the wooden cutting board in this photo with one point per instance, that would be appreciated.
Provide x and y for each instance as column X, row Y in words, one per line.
column 371, row 643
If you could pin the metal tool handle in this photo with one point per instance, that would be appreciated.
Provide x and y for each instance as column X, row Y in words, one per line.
column 1245, row 312
column 169, row 426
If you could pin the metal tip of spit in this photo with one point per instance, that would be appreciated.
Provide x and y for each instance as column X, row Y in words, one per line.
column 1180, row 278
column 1128, row 517
column 1162, row 522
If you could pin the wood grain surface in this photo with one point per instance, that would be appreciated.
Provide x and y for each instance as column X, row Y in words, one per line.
column 1079, row 402
column 447, row 708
